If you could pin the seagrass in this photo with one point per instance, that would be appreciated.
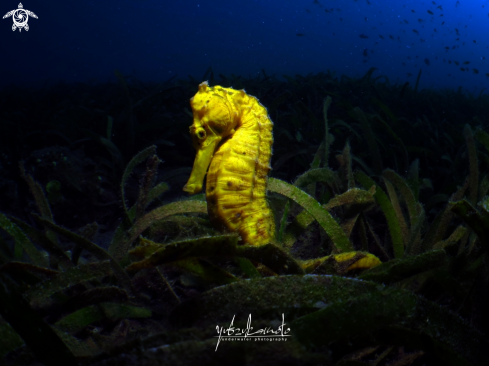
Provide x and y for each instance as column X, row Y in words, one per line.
column 232, row 134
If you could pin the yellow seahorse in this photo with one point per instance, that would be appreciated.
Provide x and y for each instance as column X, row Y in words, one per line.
column 232, row 132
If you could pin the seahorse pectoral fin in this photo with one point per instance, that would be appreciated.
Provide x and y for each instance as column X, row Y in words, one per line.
column 201, row 163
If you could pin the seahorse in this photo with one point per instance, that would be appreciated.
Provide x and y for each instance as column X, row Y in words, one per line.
column 232, row 134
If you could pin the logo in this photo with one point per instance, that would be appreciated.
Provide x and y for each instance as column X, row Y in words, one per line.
column 20, row 17
column 245, row 334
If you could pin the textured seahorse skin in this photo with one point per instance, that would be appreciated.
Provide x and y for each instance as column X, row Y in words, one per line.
column 232, row 133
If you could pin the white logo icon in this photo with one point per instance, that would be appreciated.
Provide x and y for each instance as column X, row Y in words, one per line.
column 20, row 17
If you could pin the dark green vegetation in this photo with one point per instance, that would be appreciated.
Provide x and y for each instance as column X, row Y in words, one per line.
column 104, row 261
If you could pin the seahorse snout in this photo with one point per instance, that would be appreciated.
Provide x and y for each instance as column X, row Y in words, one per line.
column 201, row 163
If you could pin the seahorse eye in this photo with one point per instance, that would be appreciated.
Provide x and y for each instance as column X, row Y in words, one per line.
column 201, row 134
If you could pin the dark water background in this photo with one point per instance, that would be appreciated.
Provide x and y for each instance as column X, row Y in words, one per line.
column 84, row 41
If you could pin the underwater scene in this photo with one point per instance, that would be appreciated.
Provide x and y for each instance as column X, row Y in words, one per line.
column 244, row 183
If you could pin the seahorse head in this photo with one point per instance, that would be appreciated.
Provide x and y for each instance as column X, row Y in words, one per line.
column 215, row 118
